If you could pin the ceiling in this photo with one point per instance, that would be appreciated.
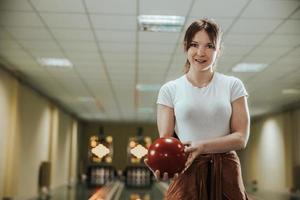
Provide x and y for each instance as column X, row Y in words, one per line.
column 111, row 56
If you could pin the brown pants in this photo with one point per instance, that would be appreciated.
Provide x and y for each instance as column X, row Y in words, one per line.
column 210, row 177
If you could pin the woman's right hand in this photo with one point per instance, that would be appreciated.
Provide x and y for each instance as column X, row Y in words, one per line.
column 158, row 175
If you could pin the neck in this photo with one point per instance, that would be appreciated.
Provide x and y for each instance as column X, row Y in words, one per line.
column 201, row 78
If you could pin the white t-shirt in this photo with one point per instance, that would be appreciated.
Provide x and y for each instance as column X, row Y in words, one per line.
column 201, row 113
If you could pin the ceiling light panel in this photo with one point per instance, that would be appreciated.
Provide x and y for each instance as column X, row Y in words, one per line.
column 161, row 23
column 249, row 67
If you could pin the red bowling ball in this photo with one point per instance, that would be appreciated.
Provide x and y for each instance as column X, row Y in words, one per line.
column 167, row 155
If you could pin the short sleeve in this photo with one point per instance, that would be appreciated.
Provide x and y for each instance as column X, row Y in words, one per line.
column 238, row 90
column 165, row 95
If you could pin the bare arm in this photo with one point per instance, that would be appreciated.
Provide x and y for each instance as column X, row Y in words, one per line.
column 237, row 139
column 165, row 120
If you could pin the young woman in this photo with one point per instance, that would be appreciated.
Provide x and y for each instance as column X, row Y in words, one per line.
column 209, row 113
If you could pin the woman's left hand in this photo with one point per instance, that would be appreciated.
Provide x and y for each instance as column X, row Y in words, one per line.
column 193, row 151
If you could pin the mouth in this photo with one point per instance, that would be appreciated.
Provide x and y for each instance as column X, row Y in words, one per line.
column 201, row 61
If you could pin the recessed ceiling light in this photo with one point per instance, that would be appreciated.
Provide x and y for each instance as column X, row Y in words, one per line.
column 161, row 23
column 249, row 67
column 147, row 87
column 55, row 62
column 290, row 91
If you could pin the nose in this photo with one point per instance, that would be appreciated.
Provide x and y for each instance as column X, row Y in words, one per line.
column 200, row 50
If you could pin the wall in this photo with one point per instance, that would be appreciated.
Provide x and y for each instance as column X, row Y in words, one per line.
column 272, row 153
column 33, row 130
column 7, row 93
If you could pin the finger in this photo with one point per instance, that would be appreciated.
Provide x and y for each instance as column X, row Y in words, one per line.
column 188, row 143
column 189, row 149
column 165, row 176
column 176, row 175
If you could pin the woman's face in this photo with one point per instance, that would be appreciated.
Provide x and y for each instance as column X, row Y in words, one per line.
column 202, row 52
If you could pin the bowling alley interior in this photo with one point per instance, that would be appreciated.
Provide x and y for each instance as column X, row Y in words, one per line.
column 79, row 81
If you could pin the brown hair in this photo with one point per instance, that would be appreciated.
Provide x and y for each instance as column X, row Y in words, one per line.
column 212, row 29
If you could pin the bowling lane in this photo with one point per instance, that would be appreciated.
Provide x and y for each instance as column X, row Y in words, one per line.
column 153, row 193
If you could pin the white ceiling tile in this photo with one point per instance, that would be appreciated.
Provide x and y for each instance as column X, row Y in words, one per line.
column 282, row 40
column 269, row 51
column 255, row 26
column 39, row 45
column 82, row 55
column 154, row 57
column 73, row 34
column 59, row 6
column 289, row 27
column 20, row 19
column 117, row 48
column 289, row 61
column 4, row 35
column 217, row 9
column 79, row 46
column 242, row 39
column 112, row 7
column 259, row 59
column 231, row 50
column 15, row 5
column 166, row 7
column 116, row 36
column 296, row 15
column 270, row 9
column 63, row 20
column 156, row 48
column 16, row 54
column 8, row 44
column 46, row 54
column 116, row 22
column 111, row 57
column 158, row 37
column 295, row 52
column 32, row 33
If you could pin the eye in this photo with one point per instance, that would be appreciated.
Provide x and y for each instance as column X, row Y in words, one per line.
column 194, row 45
column 211, row 46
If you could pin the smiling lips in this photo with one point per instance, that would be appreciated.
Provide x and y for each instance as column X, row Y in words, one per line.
column 201, row 61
